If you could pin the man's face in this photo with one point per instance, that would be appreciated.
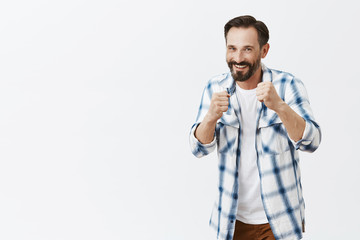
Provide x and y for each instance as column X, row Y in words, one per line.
column 243, row 54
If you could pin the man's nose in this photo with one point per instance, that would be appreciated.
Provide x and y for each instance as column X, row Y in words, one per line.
column 239, row 56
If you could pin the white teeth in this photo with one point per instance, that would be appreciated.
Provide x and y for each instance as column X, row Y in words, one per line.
column 240, row 66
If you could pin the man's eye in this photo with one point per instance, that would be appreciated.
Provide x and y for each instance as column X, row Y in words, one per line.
column 247, row 49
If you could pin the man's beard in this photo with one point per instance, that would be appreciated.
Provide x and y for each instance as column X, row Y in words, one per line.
column 239, row 76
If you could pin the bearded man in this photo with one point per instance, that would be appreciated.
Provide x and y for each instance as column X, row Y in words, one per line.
column 258, row 119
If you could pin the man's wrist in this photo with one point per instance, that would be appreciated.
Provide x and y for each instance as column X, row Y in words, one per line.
column 208, row 120
column 281, row 107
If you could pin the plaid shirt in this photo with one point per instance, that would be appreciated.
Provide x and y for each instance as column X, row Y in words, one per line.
column 278, row 157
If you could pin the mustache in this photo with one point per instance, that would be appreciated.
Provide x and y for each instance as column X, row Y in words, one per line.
column 240, row 63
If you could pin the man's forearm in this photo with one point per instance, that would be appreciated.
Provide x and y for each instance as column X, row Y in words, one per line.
column 294, row 124
column 205, row 131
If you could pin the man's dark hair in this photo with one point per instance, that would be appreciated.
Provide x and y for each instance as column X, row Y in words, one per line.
column 246, row 22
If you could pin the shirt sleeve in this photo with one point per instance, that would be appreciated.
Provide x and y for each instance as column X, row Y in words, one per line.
column 197, row 148
column 297, row 98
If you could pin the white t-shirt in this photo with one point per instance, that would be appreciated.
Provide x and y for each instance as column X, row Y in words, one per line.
column 250, row 206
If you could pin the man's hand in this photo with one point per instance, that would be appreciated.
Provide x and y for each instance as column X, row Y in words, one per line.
column 219, row 104
column 266, row 93
column 293, row 122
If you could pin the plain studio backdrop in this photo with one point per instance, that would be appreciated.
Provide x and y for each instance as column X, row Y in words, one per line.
column 97, row 99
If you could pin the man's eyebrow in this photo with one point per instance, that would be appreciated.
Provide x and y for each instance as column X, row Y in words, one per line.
column 246, row 46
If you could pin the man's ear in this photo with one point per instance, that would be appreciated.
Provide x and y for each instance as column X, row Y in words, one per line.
column 265, row 50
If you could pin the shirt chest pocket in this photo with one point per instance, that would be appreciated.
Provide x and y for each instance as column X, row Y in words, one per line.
column 227, row 132
column 273, row 137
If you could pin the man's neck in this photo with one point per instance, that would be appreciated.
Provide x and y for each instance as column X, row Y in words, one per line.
column 253, row 81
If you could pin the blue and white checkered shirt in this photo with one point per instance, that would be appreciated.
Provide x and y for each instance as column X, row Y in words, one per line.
column 278, row 158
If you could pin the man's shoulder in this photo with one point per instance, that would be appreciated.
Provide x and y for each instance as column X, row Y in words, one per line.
column 219, row 78
column 278, row 76
column 220, row 82
column 285, row 81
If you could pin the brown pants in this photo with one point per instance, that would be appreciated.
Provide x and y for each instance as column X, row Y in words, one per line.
column 245, row 231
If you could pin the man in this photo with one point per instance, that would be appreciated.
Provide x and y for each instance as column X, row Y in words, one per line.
column 258, row 118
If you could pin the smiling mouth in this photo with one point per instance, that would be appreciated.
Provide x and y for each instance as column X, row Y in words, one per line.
column 239, row 66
